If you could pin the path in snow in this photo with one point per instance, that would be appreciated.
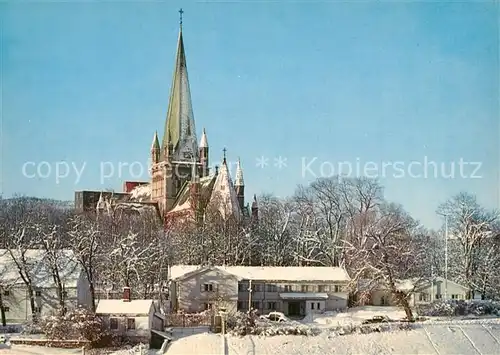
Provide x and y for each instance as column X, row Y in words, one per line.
column 439, row 339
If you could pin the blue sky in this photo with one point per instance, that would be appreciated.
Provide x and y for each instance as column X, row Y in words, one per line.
column 373, row 83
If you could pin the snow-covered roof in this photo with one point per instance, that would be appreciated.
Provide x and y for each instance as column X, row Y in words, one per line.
column 141, row 193
column 139, row 307
column 183, row 202
column 39, row 269
column 224, row 197
column 203, row 140
column 136, row 207
column 272, row 273
column 406, row 285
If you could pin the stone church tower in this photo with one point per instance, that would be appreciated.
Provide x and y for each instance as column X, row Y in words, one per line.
column 182, row 184
column 180, row 162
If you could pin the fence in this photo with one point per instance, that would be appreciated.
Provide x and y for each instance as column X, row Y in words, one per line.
column 189, row 319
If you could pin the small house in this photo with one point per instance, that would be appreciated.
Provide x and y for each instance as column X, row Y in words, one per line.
column 134, row 319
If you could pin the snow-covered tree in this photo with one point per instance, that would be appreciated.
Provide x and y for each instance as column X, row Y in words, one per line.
column 470, row 226
column 389, row 253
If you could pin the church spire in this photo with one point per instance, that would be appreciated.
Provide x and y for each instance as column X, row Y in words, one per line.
column 155, row 149
column 239, row 175
column 180, row 129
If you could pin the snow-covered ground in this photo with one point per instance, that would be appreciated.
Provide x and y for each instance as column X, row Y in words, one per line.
column 437, row 338
column 354, row 316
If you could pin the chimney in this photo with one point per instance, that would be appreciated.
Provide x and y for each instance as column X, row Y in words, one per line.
column 126, row 294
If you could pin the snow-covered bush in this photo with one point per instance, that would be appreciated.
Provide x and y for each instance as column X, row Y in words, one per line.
column 76, row 324
column 371, row 328
column 140, row 349
column 242, row 324
column 31, row 328
column 451, row 308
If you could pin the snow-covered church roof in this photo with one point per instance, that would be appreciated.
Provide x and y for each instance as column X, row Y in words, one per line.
column 223, row 196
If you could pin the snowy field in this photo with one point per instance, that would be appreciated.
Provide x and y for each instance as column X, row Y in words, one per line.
column 439, row 339
column 439, row 336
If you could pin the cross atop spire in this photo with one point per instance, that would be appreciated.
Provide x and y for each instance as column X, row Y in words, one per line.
column 180, row 17
column 224, row 152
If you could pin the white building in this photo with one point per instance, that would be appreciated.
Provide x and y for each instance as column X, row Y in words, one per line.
column 420, row 292
column 134, row 319
column 15, row 296
column 295, row 291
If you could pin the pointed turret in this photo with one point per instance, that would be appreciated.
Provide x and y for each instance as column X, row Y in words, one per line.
column 180, row 132
column 203, row 153
column 239, row 175
column 155, row 149
column 240, row 185
column 204, row 140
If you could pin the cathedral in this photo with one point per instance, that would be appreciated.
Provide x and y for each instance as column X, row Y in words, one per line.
column 182, row 184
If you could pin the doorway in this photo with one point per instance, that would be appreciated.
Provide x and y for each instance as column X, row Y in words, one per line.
column 294, row 309
column 383, row 301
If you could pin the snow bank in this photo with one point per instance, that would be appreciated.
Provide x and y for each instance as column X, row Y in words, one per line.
column 425, row 339
column 353, row 316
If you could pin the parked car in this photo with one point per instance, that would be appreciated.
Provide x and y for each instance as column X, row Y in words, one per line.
column 275, row 317
column 377, row 319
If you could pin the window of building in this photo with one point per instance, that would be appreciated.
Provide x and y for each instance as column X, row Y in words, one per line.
column 305, row 288
column 113, row 323
column 288, row 288
column 208, row 287
column 271, row 306
column 130, row 323
column 256, row 288
column 38, row 309
column 6, row 309
column 271, row 288
column 337, row 288
column 207, row 306
column 312, row 305
column 242, row 305
column 455, row 297
column 38, row 293
column 256, row 304
column 321, row 288
column 242, row 286
column 438, row 296
column 422, row 297
column 318, row 306
column 6, row 293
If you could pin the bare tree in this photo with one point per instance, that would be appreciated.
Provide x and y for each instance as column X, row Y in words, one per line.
column 19, row 217
column 390, row 254
column 469, row 225
column 275, row 231
column 86, row 240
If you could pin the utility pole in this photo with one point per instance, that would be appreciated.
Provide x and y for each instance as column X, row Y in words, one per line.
column 445, row 215
column 445, row 257
column 249, row 295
